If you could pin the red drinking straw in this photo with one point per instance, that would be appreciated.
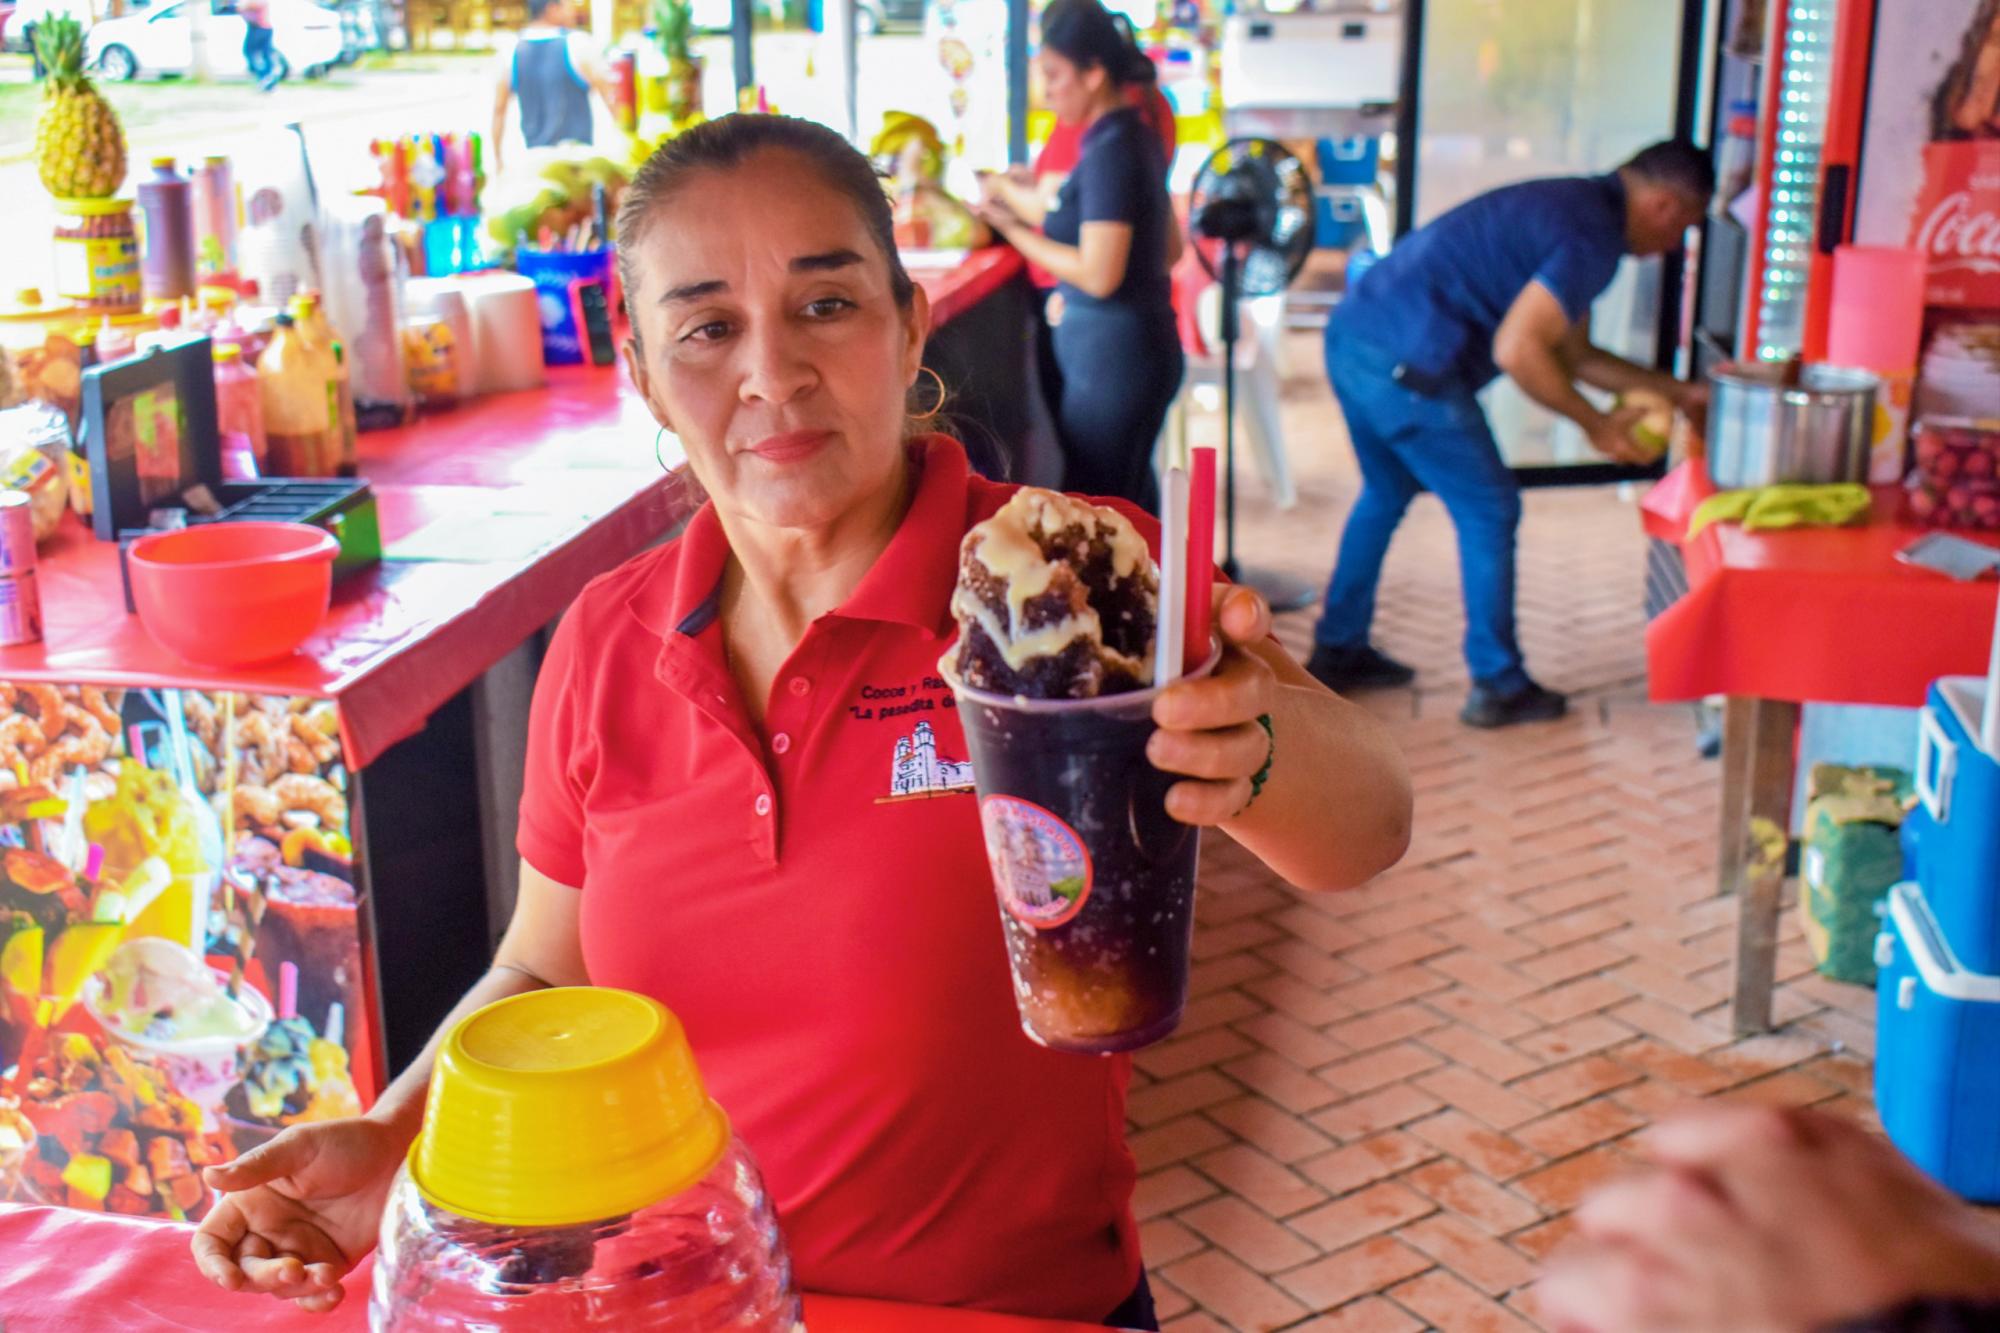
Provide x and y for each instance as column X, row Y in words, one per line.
column 1201, row 555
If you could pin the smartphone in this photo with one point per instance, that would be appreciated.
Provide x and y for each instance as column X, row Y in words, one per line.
column 592, row 306
column 1953, row 555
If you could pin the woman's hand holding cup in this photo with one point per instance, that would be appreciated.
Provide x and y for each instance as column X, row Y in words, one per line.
column 1209, row 732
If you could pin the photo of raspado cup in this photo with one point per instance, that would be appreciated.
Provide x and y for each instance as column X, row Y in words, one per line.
column 169, row 1008
column 1053, row 675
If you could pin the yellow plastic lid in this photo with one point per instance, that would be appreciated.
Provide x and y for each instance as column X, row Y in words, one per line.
column 563, row 1106
column 93, row 208
column 164, row 164
column 223, row 352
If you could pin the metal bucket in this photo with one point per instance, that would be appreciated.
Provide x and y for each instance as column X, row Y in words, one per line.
column 1762, row 432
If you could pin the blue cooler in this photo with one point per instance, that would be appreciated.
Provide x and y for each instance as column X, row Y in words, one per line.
column 1958, row 834
column 1937, row 1056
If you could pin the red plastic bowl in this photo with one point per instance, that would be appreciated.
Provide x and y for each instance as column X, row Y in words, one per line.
column 233, row 594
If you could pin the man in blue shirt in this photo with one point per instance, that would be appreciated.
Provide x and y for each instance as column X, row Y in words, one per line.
column 1502, row 284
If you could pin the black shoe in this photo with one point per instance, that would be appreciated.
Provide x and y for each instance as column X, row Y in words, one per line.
column 1487, row 707
column 1359, row 668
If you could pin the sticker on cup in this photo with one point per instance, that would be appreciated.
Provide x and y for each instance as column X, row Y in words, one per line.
column 1040, row 865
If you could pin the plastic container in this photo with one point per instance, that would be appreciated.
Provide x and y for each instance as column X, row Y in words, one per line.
column 239, row 410
column 214, row 218
column 1095, row 880
column 572, row 1173
column 301, row 407
column 96, row 252
column 443, row 299
column 233, row 594
column 1937, row 1022
column 166, row 250
column 432, row 354
column 553, row 272
column 1956, row 481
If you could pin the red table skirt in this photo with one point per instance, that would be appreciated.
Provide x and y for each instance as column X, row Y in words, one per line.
column 1812, row 615
column 68, row 1272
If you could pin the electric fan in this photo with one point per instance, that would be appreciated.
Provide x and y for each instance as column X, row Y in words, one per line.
column 1252, row 208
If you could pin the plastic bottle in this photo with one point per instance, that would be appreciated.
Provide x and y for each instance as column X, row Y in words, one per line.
column 166, row 211
column 239, row 414
column 214, row 218
column 309, row 312
column 1736, row 157
column 170, row 331
column 113, row 343
column 302, row 438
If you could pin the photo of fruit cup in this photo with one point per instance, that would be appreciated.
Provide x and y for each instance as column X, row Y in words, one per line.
column 169, row 1009
column 1095, row 880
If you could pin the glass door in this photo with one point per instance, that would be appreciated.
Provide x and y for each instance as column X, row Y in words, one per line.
column 1508, row 92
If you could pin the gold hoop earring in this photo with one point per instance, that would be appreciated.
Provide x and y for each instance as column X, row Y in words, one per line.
column 942, row 394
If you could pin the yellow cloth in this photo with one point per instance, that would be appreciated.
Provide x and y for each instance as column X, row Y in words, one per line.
column 1788, row 506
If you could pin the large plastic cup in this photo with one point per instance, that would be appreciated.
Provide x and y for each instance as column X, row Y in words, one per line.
column 1095, row 880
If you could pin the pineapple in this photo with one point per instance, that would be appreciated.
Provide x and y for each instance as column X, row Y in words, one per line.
column 79, row 145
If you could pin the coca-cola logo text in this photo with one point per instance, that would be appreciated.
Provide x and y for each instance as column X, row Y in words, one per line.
column 1956, row 235
column 1955, row 221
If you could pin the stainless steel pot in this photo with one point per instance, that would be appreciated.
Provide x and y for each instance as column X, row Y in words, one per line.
column 1761, row 431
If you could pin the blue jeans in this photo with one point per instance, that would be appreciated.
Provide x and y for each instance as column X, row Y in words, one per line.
column 257, row 53
column 1408, row 442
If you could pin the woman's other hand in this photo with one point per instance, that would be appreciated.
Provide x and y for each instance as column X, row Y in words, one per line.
column 1760, row 1219
column 297, row 1214
column 1209, row 731
column 997, row 214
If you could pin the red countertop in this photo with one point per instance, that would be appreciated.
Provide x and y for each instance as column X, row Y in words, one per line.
column 72, row 1272
column 1821, row 615
column 540, row 492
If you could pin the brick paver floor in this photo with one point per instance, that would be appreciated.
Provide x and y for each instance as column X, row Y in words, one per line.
column 1383, row 1103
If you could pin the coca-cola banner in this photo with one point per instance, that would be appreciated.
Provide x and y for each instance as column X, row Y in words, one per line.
column 1930, row 179
column 1920, row 90
column 1957, row 222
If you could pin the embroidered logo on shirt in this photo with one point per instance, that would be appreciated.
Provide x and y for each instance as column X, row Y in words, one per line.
column 1040, row 866
column 919, row 771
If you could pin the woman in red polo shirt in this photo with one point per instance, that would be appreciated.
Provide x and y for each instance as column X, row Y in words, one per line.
column 712, row 740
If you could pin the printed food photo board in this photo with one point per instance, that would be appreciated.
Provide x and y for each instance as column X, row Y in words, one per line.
column 182, row 970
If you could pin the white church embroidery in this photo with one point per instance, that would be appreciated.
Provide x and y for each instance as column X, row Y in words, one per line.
column 918, row 770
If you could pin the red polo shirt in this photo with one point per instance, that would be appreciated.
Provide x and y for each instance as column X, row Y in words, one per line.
column 834, row 951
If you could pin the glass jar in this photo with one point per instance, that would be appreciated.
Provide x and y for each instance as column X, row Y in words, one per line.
column 96, row 252
column 707, row 1258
